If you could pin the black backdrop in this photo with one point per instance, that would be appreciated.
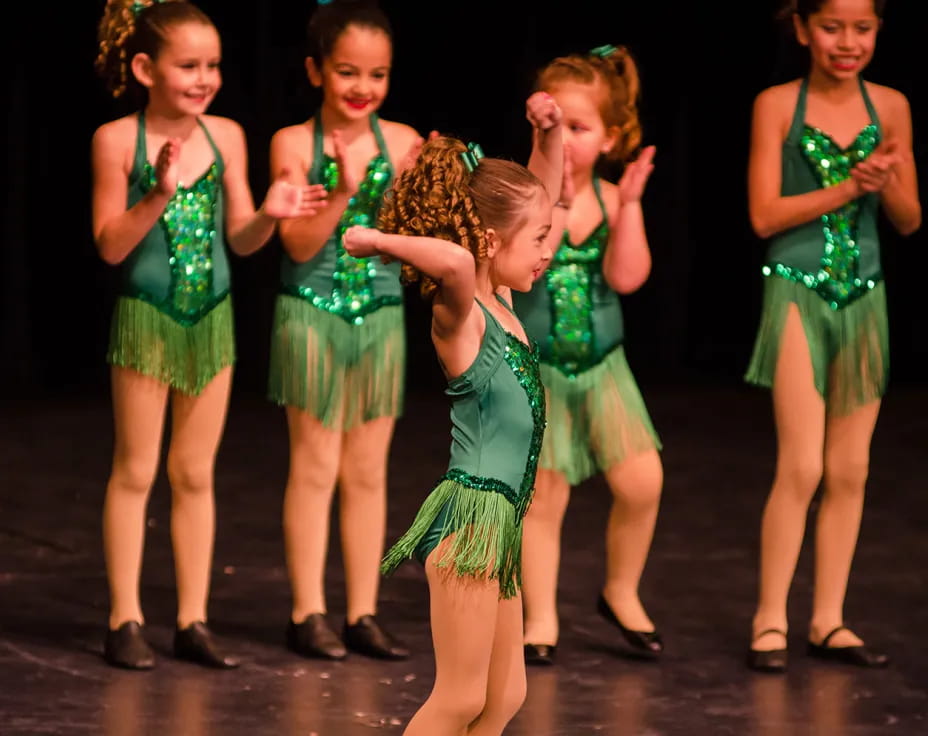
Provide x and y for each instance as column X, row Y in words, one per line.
column 464, row 69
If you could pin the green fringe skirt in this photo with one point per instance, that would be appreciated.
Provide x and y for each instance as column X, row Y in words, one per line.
column 596, row 419
column 186, row 358
column 343, row 374
column 849, row 347
column 487, row 529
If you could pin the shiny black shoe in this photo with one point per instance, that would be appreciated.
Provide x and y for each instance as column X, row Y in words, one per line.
column 314, row 638
column 368, row 638
column 770, row 660
column 540, row 655
column 195, row 644
column 648, row 644
column 858, row 655
column 126, row 647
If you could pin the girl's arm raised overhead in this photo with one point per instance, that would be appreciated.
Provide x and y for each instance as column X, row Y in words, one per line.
column 117, row 230
column 248, row 230
column 771, row 212
column 547, row 158
column 449, row 264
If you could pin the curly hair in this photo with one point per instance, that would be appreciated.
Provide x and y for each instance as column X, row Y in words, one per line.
column 125, row 30
column 616, row 77
column 440, row 197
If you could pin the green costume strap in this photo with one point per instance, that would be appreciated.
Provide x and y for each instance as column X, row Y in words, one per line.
column 173, row 320
column 498, row 418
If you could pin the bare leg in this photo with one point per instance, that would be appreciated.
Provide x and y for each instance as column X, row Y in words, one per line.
column 362, row 483
column 506, row 685
column 541, row 556
column 799, row 413
column 139, row 404
column 463, row 617
column 197, row 425
column 847, row 456
column 636, row 493
column 314, row 454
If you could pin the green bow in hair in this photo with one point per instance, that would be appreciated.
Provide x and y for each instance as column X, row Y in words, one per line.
column 603, row 52
column 472, row 156
column 139, row 5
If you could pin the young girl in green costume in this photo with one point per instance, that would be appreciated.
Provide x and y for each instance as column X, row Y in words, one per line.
column 475, row 229
column 826, row 152
column 596, row 417
column 170, row 187
column 338, row 344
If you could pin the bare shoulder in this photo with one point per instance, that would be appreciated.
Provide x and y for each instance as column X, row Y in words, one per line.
column 890, row 103
column 225, row 130
column 780, row 99
column 399, row 136
column 294, row 136
column 120, row 133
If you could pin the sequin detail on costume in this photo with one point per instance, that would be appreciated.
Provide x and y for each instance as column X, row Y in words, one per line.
column 189, row 223
column 569, row 280
column 523, row 361
column 353, row 295
column 838, row 281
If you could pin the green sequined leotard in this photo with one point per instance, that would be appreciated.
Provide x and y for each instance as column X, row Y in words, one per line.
column 173, row 320
column 339, row 346
column 596, row 416
column 498, row 422
column 829, row 268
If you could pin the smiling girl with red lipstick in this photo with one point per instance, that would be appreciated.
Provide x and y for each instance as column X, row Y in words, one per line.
column 827, row 152
column 170, row 189
column 338, row 344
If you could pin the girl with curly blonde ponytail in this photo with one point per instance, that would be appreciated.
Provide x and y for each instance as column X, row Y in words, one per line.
column 597, row 418
column 472, row 229
column 164, row 220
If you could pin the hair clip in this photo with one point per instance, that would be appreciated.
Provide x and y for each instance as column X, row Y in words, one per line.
column 139, row 5
column 472, row 156
column 603, row 52
column 324, row 2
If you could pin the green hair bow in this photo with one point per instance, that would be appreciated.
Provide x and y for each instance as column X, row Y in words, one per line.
column 603, row 52
column 472, row 156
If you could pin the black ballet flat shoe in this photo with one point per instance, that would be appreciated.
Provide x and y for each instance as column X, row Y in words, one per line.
column 647, row 644
column 195, row 644
column 368, row 638
column 858, row 655
column 126, row 647
column 770, row 660
column 540, row 655
column 314, row 638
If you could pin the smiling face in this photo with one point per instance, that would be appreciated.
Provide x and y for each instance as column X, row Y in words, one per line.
column 184, row 75
column 841, row 37
column 355, row 77
column 521, row 256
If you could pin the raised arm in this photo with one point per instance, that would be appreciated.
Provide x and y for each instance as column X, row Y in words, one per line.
column 627, row 261
column 116, row 229
column 771, row 212
column 547, row 158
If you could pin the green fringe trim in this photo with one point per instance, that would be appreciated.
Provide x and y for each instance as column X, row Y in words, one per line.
column 849, row 347
column 343, row 374
column 487, row 529
column 186, row 358
column 596, row 419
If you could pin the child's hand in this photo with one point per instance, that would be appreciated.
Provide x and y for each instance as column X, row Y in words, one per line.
column 635, row 176
column 873, row 173
column 542, row 111
column 292, row 200
column 360, row 242
column 346, row 183
column 166, row 167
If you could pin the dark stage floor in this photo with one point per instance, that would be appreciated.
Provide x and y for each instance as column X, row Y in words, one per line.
column 699, row 587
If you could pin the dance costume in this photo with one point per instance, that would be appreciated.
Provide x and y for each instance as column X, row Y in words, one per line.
column 498, row 418
column 596, row 416
column 173, row 317
column 830, row 269
column 338, row 348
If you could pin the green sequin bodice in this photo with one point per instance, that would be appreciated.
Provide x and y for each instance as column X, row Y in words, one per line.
column 348, row 287
column 571, row 312
column 836, row 255
column 181, row 266
column 498, row 418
